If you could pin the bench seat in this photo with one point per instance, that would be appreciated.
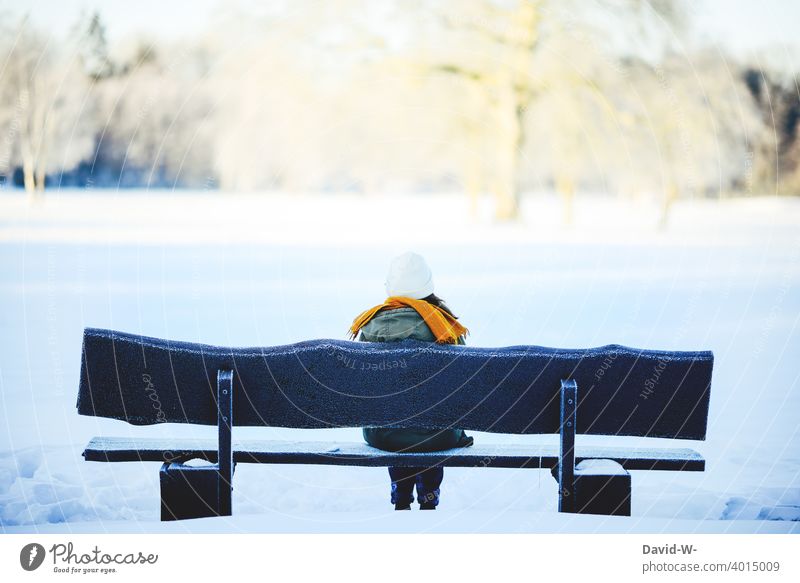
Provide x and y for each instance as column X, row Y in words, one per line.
column 123, row 449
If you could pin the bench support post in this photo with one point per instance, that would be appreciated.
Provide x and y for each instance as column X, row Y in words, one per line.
column 566, row 458
column 202, row 491
column 594, row 486
column 225, row 454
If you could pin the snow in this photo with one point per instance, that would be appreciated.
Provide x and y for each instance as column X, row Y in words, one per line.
column 780, row 513
column 598, row 468
column 247, row 270
column 494, row 455
column 504, row 520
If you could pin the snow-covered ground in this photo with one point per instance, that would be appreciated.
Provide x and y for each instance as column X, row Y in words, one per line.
column 263, row 270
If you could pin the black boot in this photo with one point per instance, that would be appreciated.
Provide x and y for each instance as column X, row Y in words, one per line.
column 427, row 506
column 402, row 507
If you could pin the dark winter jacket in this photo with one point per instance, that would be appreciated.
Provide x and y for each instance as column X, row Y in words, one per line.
column 392, row 326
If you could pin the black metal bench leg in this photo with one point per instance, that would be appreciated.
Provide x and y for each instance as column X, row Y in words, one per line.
column 566, row 460
column 198, row 492
column 225, row 454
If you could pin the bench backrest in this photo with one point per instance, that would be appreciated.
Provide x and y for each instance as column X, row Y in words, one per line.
column 333, row 383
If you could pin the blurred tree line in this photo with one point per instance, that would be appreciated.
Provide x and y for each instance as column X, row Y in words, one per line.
column 493, row 97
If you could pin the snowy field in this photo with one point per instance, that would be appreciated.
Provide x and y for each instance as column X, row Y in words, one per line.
column 264, row 270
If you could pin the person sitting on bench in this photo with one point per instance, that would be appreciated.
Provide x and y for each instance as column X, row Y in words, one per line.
column 412, row 311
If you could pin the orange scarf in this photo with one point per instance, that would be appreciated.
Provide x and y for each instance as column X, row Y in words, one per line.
column 444, row 327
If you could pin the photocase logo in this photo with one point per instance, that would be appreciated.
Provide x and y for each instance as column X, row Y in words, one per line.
column 31, row 556
column 66, row 559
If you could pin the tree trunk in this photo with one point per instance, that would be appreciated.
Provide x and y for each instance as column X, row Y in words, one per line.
column 566, row 190
column 506, row 207
column 473, row 173
column 509, row 135
column 39, row 177
column 473, row 187
column 29, row 178
column 670, row 196
column 513, row 101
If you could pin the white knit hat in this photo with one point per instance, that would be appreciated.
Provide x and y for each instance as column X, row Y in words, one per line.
column 410, row 277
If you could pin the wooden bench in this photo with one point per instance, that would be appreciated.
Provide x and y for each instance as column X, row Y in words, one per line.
column 611, row 390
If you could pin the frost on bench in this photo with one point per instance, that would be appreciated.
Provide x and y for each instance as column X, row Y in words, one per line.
column 333, row 383
column 360, row 454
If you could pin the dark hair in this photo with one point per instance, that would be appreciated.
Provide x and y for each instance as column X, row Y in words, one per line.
column 439, row 303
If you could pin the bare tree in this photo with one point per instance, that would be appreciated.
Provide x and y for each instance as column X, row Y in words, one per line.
column 154, row 119
column 49, row 95
column 693, row 125
column 500, row 44
column 774, row 164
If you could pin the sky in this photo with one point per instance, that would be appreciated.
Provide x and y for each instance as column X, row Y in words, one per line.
column 741, row 27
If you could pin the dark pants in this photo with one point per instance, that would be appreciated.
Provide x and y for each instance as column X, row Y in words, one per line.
column 427, row 481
